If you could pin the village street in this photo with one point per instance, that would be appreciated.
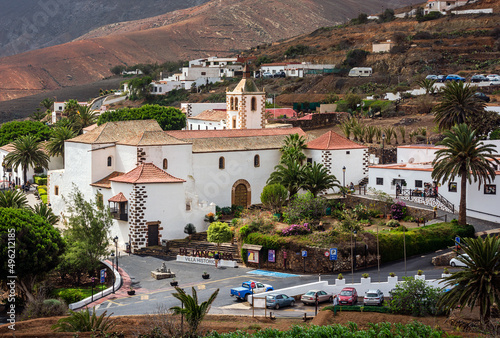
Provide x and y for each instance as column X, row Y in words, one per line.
column 153, row 294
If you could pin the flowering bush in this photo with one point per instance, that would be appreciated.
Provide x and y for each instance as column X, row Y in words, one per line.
column 398, row 210
column 296, row 229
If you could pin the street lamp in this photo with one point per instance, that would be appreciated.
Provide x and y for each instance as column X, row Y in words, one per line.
column 116, row 248
column 404, row 245
column 378, row 257
column 383, row 141
column 113, row 270
column 343, row 181
column 355, row 249
column 352, row 262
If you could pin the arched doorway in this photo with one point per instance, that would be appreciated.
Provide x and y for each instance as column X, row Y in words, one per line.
column 241, row 193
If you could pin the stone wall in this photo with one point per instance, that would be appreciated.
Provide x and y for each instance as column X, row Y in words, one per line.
column 352, row 200
column 316, row 121
column 390, row 153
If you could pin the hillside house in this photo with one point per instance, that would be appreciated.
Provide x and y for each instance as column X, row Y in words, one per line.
column 382, row 47
column 442, row 5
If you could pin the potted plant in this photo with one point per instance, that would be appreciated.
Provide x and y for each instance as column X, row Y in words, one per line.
column 205, row 275
column 340, row 276
column 131, row 291
column 365, row 275
column 420, row 272
column 446, row 271
column 174, row 282
column 392, row 274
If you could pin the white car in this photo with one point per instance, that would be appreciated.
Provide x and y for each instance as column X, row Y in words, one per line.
column 493, row 77
column 455, row 262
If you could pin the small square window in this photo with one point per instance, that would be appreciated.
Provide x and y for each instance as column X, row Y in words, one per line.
column 348, row 152
column 418, row 183
column 309, row 160
column 380, row 181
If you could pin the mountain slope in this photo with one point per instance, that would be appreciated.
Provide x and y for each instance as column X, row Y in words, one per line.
column 219, row 27
column 32, row 24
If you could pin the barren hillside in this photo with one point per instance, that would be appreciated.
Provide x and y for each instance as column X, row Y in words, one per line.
column 219, row 27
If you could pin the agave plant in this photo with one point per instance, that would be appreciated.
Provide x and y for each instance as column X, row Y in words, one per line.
column 45, row 211
column 357, row 131
column 378, row 134
column 389, row 133
column 346, row 128
column 370, row 132
column 83, row 321
column 13, row 199
column 402, row 131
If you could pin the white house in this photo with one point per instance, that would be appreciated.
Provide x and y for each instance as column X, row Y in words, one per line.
column 382, row 47
column 442, row 6
column 58, row 109
column 413, row 172
column 212, row 119
column 193, row 109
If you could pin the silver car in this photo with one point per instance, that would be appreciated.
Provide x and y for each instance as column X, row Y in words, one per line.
column 310, row 297
column 373, row 297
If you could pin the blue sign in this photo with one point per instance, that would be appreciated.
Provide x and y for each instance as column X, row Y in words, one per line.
column 333, row 254
column 103, row 275
column 271, row 256
column 304, row 253
column 457, row 239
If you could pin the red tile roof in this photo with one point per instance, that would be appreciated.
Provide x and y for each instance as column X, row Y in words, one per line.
column 147, row 173
column 118, row 198
column 210, row 115
column 333, row 141
column 277, row 112
column 192, row 134
column 104, row 182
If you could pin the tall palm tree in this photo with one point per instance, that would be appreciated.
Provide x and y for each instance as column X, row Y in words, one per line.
column 293, row 148
column 317, row 179
column 27, row 152
column 464, row 156
column 85, row 117
column 193, row 311
column 13, row 199
column 55, row 146
column 289, row 174
column 47, row 103
column 457, row 106
column 478, row 283
column 45, row 211
column 428, row 85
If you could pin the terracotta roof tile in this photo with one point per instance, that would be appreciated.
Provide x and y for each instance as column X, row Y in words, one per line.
column 333, row 141
column 277, row 112
column 210, row 115
column 118, row 198
column 147, row 173
column 149, row 138
column 112, row 132
column 104, row 182
column 192, row 134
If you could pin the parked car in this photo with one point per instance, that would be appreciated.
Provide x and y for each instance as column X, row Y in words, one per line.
column 310, row 297
column 279, row 300
column 482, row 96
column 441, row 78
column 493, row 77
column 454, row 77
column 267, row 75
column 348, row 296
column 373, row 297
column 455, row 262
column 431, row 77
column 478, row 78
column 280, row 74
column 246, row 288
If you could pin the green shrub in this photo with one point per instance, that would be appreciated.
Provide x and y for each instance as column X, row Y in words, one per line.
column 392, row 223
column 40, row 307
column 421, row 240
column 69, row 295
column 83, row 321
column 360, row 211
column 495, row 134
column 415, row 297
column 44, row 198
column 305, row 208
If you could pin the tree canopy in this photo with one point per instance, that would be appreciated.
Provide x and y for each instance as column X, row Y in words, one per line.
column 38, row 246
column 10, row 131
column 219, row 232
column 169, row 118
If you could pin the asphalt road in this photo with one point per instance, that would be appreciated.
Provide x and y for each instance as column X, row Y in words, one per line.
column 151, row 294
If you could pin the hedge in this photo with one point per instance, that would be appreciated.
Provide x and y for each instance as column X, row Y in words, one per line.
column 420, row 240
column 378, row 309
column 40, row 180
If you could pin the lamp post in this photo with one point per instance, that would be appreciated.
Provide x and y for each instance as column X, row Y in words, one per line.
column 116, row 248
column 383, row 141
column 113, row 270
column 352, row 262
column 355, row 248
column 343, row 181
column 378, row 258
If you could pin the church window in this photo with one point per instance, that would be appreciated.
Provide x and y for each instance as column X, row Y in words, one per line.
column 222, row 162
column 256, row 161
column 254, row 104
column 110, row 161
column 232, row 103
column 165, row 163
column 235, row 103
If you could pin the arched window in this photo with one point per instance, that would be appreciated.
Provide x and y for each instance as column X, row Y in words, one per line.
column 253, row 104
column 110, row 161
column 232, row 103
column 256, row 161
column 165, row 163
column 222, row 163
column 56, row 190
column 235, row 103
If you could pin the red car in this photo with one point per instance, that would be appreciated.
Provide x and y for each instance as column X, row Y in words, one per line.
column 348, row 296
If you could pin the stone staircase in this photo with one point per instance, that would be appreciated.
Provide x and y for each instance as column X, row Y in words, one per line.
column 363, row 182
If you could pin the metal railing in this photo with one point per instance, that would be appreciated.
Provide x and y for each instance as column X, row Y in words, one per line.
column 426, row 194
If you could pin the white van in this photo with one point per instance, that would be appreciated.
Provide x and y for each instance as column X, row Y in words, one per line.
column 361, row 71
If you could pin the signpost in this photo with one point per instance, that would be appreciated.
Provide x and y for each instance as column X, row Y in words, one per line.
column 103, row 280
column 333, row 257
column 457, row 240
column 304, row 255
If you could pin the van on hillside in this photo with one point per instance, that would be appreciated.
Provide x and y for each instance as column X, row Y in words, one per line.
column 361, row 71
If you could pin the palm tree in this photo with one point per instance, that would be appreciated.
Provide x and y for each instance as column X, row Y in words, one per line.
column 289, row 174
column 293, row 148
column 464, row 156
column 428, row 85
column 45, row 211
column 478, row 283
column 193, row 311
column 55, row 146
column 458, row 105
column 317, row 179
column 27, row 152
column 85, row 117
column 13, row 199
column 47, row 103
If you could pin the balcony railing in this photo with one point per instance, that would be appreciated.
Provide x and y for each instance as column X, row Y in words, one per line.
column 118, row 216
